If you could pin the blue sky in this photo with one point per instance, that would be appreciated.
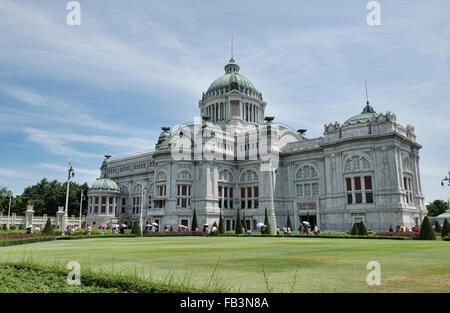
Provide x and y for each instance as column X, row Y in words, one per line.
column 108, row 85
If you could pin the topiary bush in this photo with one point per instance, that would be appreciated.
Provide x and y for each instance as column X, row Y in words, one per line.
column 288, row 222
column 12, row 227
column 194, row 222
column 238, row 229
column 171, row 228
column 136, row 230
column 426, row 230
column 48, row 228
column 355, row 230
column 362, row 229
column 221, row 227
column 266, row 222
column 437, row 227
column 445, row 229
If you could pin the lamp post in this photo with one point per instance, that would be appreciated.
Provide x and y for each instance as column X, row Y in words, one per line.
column 9, row 211
column 71, row 173
column 81, row 204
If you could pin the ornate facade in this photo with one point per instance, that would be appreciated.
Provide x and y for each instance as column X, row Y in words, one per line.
column 366, row 169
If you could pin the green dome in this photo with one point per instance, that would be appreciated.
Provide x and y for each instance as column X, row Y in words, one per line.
column 231, row 79
column 367, row 113
column 105, row 184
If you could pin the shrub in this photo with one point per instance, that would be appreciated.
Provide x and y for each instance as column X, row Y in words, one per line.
column 238, row 224
column 136, row 230
column 426, row 230
column 445, row 229
column 221, row 228
column 288, row 222
column 4, row 227
column 194, row 221
column 48, row 228
column 363, row 229
column 355, row 230
column 171, row 228
column 266, row 222
column 437, row 227
column 244, row 224
column 12, row 227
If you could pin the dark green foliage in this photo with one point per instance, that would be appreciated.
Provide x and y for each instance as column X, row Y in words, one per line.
column 12, row 227
column 266, row 222
column 445, row 229
column 221, row 227
column 136, row 230
column 362, row 229
column 437, row 227
column 426, row 230
column 21, row 241
column 288, row 222
column 355, row 230
column 437, row 207
column 171, row 228
column 48, row 229
column 238, row 229
column 5, row 227
column 194, row 221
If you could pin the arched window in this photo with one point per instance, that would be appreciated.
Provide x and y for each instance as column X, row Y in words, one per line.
column 358, row 180
column 307, row 185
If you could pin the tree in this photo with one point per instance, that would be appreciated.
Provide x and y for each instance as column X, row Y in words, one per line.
column 244, row 224
column 136, row 229
column 437, row 207
column 266, row 222
column 194, row 221
column 214, row 225
column 437, row 227
column 355, row 230
column 48, row 228
column 238, row 229
column 221, row 228
column 288, row 222
column 363, row 229
column 445, row 229
column 171, row 228
column 426, row 230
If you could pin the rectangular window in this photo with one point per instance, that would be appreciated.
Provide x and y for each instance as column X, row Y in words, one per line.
column 242, row 193
column 307, row 190
column 358, row 197
column 243, row 204
column 255, row 191
column 231, row 192
column 357, row 183
column 349, row 198
column 368, row 182
column 220, row 191
column 349, row 184
column 96, row 200
column 315, row 189
column 249, row 192
column 369, row 197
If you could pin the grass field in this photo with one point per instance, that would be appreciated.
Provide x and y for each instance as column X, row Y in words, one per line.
column 257, row 264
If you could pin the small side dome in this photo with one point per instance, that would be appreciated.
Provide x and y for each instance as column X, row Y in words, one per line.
column 367, row 113
column 105, row 184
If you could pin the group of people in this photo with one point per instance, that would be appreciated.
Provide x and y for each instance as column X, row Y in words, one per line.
column 286, row 230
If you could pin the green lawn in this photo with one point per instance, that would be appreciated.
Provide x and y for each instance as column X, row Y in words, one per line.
column 258, row 264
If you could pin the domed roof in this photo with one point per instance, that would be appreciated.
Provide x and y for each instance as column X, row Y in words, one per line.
column 105, row 184
column 367, row 113
column 232, row 79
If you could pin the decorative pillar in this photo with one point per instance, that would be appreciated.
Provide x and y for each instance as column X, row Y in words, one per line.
column 29, row 216
column 61, row 218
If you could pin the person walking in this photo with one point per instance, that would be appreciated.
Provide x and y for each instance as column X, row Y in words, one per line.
column 278, row 230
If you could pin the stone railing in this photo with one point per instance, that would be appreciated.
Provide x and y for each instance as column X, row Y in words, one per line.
column 30, row 219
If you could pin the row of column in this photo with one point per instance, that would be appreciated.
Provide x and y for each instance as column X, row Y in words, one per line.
column 251, row 113
column 217, row 112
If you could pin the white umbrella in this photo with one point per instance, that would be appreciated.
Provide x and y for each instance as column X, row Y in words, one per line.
column 155, row 224
column 260, row 225
column 148, row 225
column 306, row 223
column 205, row 224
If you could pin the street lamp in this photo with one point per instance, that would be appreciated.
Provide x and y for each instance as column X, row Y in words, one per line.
column 446, row 179
column 81, row 204
column 71, row 173
column 9, row 211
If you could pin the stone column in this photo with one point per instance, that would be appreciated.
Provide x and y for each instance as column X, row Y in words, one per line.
column 29, row 216
column 61, row 218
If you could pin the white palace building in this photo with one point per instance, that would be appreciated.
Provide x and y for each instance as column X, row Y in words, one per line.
column 234, row 157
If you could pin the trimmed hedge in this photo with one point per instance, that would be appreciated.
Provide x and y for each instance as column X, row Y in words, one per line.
column 25, row 240
column 95, row 236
